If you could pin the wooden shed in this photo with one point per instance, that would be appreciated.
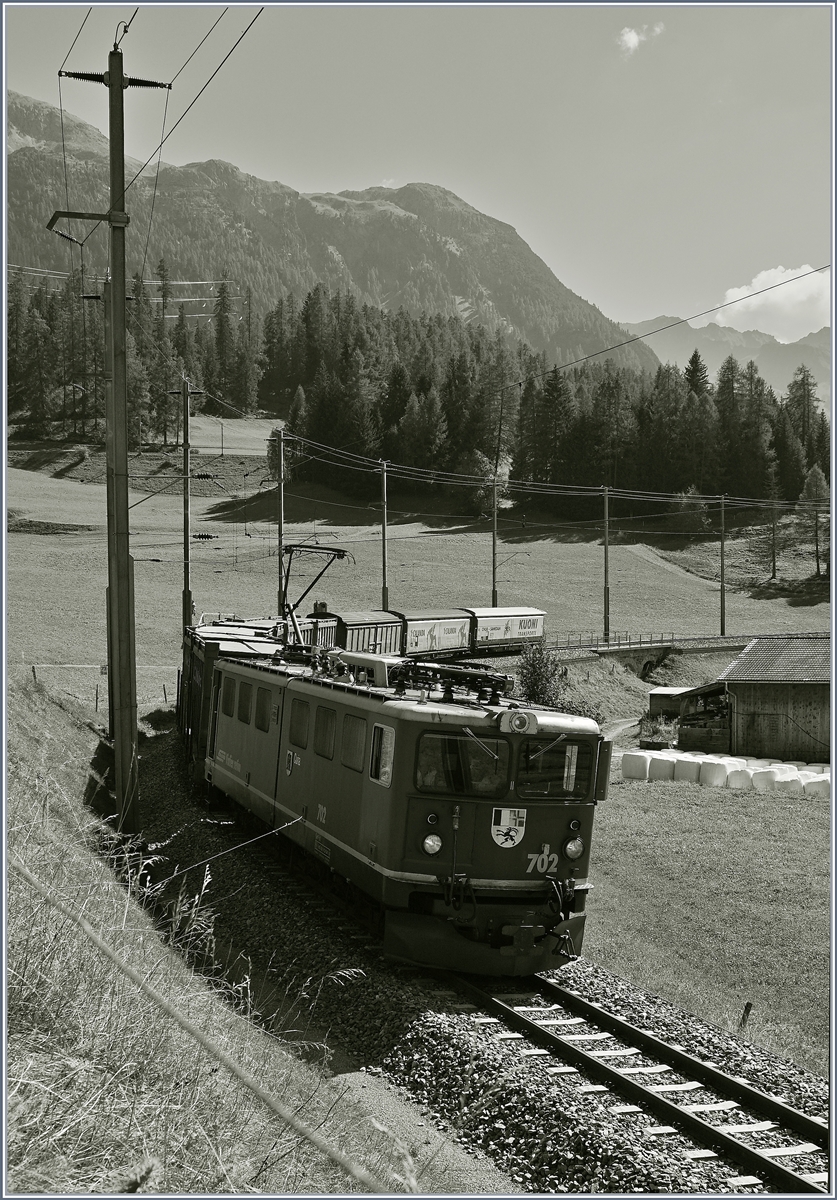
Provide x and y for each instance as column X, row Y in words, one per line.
column 778, row 701
column 665, row 701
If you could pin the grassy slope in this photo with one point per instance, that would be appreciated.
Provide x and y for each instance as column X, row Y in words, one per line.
column 101, row 1087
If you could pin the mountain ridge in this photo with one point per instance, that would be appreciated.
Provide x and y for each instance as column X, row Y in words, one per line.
column 775, row 360
column 418, row 246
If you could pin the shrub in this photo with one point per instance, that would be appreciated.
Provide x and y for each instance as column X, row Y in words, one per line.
column 541, row 681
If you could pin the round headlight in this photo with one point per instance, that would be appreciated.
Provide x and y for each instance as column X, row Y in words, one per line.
column 432, row 844
column 519, row 723
column 574, row 848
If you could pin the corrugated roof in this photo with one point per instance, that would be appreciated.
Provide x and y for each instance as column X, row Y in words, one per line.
column 799, row 659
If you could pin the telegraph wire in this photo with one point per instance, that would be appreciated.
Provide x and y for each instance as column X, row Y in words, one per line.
column 75, row 39
column 127, row 25
column 187, row 110
column 154, row 193
column 200, row 43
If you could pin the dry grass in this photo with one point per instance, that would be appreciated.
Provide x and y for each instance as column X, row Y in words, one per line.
column 104, row 1093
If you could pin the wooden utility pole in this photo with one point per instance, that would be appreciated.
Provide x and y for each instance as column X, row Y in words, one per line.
column 122, row 669
column 606, row 569
column 723, row 587
column 185, row 392
column 280, row 524
column 384, row 586
column 494, row 541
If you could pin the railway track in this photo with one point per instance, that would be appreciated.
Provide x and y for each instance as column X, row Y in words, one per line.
column 724, row 1116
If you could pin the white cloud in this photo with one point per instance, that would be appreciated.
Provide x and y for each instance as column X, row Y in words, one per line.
column 388, row 183
column 630, row 40
column 788, row 312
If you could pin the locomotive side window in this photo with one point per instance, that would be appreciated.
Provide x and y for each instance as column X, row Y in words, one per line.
column 325, row 724
column 299, row 723
column 245, row 701
column 353, row 742
column 228, row 697
column 263, row 709
column 462, row 766
column 383, row 752
column 554, row 768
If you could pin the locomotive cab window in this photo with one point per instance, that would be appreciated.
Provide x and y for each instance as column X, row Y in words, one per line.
column 324, row 727
column 383, row 752
column 245, row 701
column 299, row 723
column 554, row 768
column 228, row 697
column 353, row 742
column 463, row 766
column 263, row 709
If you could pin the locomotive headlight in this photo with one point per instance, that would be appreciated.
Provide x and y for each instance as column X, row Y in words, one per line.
column 574, row 848
column 432, row 844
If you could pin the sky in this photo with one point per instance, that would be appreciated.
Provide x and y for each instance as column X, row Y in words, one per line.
column 661, row 159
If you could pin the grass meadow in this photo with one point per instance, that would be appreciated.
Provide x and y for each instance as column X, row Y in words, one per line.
column 706, row 897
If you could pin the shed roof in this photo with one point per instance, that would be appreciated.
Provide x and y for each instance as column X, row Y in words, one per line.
column 805, row 658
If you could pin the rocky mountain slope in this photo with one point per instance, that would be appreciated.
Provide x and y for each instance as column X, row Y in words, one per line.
column 418, row 246
column 776, row 361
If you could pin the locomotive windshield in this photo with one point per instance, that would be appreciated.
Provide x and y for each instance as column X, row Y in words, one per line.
column 462, row 766
column 554, row 768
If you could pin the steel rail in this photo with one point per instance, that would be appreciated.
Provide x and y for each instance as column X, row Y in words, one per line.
column 701, row 1131
column 696, row 1068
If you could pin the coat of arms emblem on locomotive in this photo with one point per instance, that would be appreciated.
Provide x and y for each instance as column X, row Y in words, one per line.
column 508, row 825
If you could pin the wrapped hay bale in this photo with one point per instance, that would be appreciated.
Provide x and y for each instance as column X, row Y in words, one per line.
column 734, row 764
column 713, row 774
column 755, row 763
column 820, row 768
column 818, row 788
column 764, row 780
column 635, row 764
column 741, row 778
column 661, row 766
column 789, row 783
column 687, row 770
column 792, row 762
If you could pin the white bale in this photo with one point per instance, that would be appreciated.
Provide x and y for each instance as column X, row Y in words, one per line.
column 753, row 763
column 819, row 788
column 741, row 778
column 734, row 764
column 764, row 780
column 789, row 783
column 635, row 764
column 687, row 770
column 795, row 762
column 820, row 768
column 661, row 766
column 713, row 774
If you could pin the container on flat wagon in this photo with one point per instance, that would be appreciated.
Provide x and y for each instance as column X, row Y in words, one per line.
column 378, row 631
column 505, row 626
column 434, row 632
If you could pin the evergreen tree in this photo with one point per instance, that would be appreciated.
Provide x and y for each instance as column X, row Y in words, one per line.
column 801, row 406
column 697, row 376
column 790, row 457
column 813, row 503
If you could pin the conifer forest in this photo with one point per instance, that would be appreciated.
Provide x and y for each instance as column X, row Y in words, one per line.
column 426, row 391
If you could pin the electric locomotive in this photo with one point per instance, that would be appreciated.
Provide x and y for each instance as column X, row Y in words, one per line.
column 465, row 815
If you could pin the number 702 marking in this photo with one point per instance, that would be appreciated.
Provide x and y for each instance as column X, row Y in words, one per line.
column 542, row 862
